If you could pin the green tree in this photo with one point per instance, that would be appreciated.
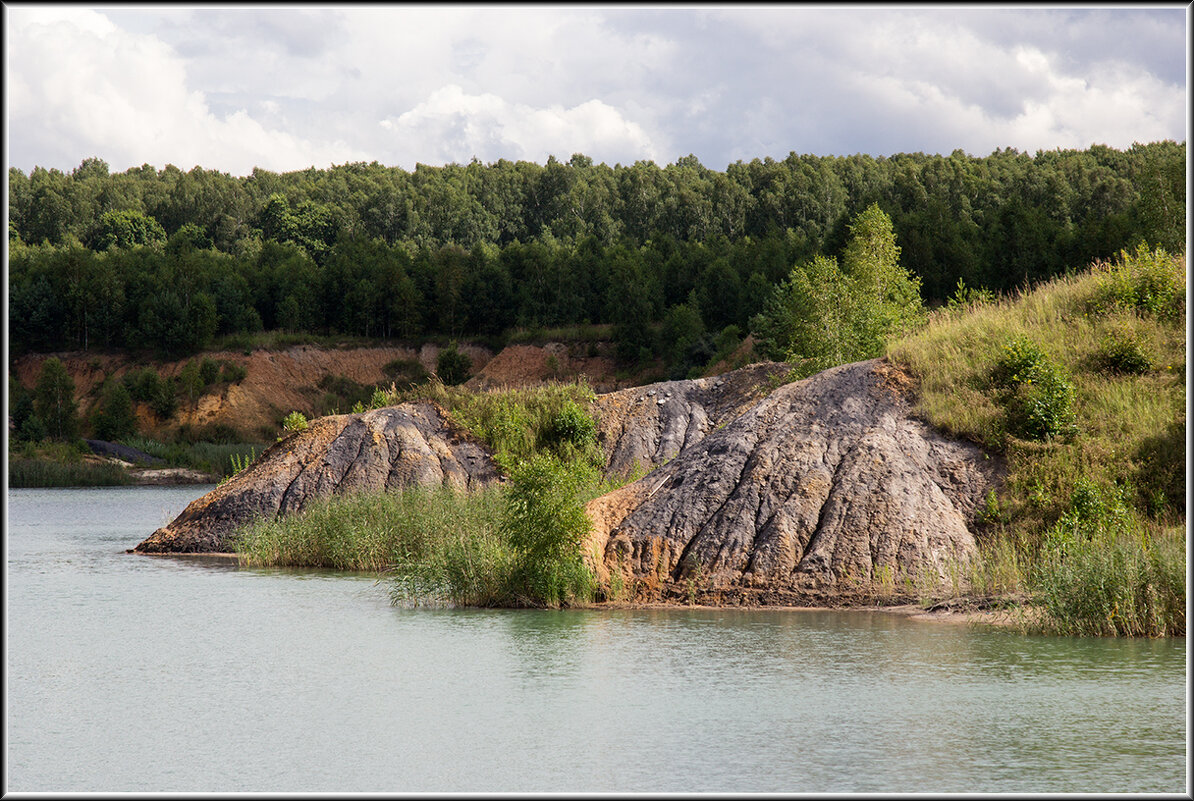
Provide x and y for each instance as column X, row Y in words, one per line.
column 824, row 315
column 54, row 400
column 887, row 296
column 452, row 366
column 124, row 229
column 114, row 418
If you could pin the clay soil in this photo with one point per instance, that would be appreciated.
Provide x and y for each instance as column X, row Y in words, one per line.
column 280, row 381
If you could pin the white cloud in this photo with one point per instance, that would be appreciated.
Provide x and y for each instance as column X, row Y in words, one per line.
column 82, row 86
column 284, row 88
column 453, row 126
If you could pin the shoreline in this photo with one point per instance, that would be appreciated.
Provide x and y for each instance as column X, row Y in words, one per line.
column 958, row 611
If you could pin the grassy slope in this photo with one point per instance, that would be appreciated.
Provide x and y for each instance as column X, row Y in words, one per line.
column 1116, row 487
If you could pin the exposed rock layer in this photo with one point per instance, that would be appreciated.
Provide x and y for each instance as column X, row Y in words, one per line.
column 820, row 489
column 398, row 446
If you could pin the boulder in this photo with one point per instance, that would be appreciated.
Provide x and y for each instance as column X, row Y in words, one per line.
column 398, row 446
column 817, row 493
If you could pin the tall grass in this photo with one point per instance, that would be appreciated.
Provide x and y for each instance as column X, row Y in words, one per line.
column 1112, row 342
column 45, row 473
column 217, row 458
column 60, row 464
column 371, row 531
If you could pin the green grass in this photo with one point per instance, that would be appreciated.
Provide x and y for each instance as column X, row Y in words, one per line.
column 516, row 424
column 217, row 458
column 59, row 464
column 1126, row 435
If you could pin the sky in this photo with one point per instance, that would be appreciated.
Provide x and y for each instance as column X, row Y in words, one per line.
column 233, row 88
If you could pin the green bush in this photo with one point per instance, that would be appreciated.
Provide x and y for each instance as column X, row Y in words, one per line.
column 295, row 421
column 232, row 372
column 1100, row 572
column 1121, row 351
column 1149, row 281
column 570, row 425
column 545, row 524
column 1037, row 397
column 452, row 366
column 209, row 372
column 405, row 372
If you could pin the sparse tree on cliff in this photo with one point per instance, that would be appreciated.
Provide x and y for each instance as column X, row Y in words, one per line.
column 54, row 400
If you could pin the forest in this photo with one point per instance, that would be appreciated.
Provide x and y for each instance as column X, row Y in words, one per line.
column 679, row 260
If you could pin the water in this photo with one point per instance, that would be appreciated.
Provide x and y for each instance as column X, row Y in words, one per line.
column 135, row 673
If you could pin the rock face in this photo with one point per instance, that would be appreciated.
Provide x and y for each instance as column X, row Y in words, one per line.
column 640, row 428
column 398, row 446
column 820, row 489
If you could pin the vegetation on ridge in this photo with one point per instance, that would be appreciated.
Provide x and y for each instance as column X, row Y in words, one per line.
column 1080, row 384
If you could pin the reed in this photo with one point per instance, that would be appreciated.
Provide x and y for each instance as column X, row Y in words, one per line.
column 23, row 473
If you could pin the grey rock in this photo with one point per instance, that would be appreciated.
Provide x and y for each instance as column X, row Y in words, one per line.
column 826, row 487
column 639, row 435
column 398, row 446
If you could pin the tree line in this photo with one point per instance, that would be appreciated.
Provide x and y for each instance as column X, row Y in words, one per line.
column 679, row 258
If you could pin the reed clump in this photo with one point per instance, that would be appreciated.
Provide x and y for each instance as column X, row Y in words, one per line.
column 517, row 543
column 1078, row 383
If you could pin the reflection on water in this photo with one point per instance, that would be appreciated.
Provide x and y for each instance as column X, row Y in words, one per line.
column 133, row 673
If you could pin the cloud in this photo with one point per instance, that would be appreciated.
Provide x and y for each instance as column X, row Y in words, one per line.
column 453, row 126
column 81, row 86
column 285, row 88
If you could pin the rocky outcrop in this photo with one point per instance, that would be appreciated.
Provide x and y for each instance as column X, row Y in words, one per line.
column 823, row 488
column 643, row 427
column 814, row 492
column 398, row 446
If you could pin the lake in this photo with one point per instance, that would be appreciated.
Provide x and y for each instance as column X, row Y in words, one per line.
column 136, row 673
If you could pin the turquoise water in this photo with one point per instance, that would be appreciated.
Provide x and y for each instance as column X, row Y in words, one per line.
column 136, row 673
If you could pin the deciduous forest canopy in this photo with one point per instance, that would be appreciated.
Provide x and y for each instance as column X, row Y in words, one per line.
column 174, row 259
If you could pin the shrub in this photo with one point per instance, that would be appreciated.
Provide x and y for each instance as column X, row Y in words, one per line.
column 545, row 524
column 1121, row 351
column 404, row 372
column 452, row 366
column 1037, row 397
column 1150, row 281
column 232, row 372
column 209, row 372
column 570, row 425
column 295, row 421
